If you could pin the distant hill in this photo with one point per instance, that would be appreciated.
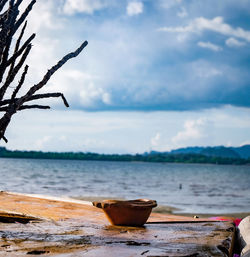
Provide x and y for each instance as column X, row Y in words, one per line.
column 187, row 150
column 216, row 151
column 220, row 151
column 212, row 155
column 243, row 151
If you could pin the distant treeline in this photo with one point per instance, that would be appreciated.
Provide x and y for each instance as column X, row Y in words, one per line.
column 159, row 157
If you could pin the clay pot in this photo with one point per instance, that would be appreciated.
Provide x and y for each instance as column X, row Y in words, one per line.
column 127, row 213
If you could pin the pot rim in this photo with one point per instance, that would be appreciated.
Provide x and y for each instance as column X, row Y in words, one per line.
column 137, row 203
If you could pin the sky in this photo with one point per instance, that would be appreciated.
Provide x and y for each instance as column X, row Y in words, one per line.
column 156, row 75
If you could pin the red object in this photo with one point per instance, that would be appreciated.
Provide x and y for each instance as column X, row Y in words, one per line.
column 236, row 221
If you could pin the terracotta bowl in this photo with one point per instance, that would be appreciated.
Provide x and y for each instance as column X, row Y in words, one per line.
column 127, row 213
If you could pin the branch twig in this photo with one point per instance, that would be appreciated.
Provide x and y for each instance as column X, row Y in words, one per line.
column 19, row 84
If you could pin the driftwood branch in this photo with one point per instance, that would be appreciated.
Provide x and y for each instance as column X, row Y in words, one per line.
column 13, row 74
column 24, row 15
column 25, row 107
column 20, row 51
column 20, row 83
column 51, row 71
column 34, row 106
column 2, row 4
column 48, row 95
column 11, row 64
column 36, row 97
column 17, row 46
column 6, row 35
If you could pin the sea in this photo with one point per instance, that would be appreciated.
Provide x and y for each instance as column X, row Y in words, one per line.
column 188, row 188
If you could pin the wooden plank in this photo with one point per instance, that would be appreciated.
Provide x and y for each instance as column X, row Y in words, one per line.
column 75, row 229
column 56, row 209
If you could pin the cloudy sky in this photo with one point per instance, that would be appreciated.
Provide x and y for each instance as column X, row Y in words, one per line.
column 156, row 75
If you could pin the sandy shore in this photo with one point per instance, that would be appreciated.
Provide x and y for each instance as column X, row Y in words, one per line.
column 172, row 210
column 239, row 215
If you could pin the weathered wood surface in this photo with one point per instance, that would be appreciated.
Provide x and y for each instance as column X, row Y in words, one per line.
column 74, row 229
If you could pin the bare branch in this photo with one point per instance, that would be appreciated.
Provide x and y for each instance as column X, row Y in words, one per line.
column 20, row 51
column 23, row 107
column 20, row 36
column 4, row 122
column 20, row 83
column 17, row 46
column 6, row 36
column 3, row 109
column 48, row 95
column 24, row 15
column 2, row 4
column 37, row 97
column 4, row 138
column 11, row 76
column 54, row 69
column 9, row 24
column 18, row 2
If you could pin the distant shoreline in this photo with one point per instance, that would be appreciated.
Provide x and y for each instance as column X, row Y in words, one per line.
column 149, row 157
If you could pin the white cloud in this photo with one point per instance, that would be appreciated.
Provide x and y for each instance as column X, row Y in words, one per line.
column 210, row 46
column 216, row 25
column 45, row 10
column 83, row 6
column 233, row 42
column 156, row 139
column 134, row 8
column 40, row 143
column 80, row 89
column 247, row 142
column 182, row 13
column 91, row 95
column 205, row 70
column 43, row 53
column 192, row 130
column 81, row 129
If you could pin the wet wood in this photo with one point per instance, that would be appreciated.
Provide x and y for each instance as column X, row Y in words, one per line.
column 71, row 228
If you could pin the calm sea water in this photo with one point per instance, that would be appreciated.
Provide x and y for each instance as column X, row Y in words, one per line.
column 205, row 188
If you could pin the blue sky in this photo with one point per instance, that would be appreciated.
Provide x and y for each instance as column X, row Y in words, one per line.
column 157, row 74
